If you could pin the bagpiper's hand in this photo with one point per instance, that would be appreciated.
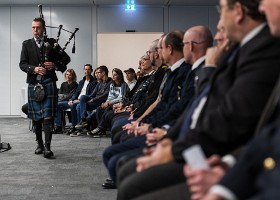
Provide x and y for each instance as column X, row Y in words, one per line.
column 40, row 70
column 49, row 65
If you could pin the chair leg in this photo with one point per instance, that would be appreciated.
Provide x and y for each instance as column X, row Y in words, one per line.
column 63, row 121
column 31, row 125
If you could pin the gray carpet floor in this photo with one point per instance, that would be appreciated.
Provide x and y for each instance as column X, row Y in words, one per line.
column 75, row 173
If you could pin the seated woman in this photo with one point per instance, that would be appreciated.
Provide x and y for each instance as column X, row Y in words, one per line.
column 118, row 90
column 67, row 89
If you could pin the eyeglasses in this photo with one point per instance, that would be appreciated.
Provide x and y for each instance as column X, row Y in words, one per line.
column 157, row 48
column 149, row 52
column 193, row 42
column 220, row 7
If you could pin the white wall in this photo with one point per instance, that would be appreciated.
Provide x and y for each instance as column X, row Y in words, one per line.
column 123, row 50
column 19, row 29
column 5, row 61
column 15, row 27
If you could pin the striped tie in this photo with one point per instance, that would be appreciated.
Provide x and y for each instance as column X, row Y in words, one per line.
column 39, row 43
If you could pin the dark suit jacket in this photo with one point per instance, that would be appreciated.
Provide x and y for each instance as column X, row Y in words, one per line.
column 135, row 90
column 190, row 85
column 174, row 91
column 30, row 58
column 152, row 92
column 236, row 99
column 252, row 176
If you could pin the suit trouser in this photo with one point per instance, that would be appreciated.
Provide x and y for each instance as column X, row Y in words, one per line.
column 112, row 154
column 149, row 180
column 176, row 192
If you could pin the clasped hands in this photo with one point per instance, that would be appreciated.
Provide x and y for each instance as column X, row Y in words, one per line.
column 137, row 128
column 199, row 181
column 160, row 154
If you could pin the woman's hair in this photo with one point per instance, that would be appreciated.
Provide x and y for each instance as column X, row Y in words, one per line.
column 72, row 72
column 121, row 78
column 93, row 74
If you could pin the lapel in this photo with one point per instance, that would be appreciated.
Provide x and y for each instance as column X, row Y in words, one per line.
column 227, row 61
column 229, row 58
column 270, row 107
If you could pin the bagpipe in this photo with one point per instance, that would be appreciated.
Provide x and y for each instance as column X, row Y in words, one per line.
column 51, row 50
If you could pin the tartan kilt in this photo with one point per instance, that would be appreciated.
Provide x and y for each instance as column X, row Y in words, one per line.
column 47, row 107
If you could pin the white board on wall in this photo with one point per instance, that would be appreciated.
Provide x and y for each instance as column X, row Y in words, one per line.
column 123, row 50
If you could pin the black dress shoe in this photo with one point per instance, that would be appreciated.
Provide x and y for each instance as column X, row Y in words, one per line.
column 108, row 180
column 39, row 149
column 72, row 130
column 57, row 130
column 48, row 153
column 109, row 185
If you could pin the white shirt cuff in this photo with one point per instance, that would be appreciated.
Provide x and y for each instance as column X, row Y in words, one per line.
column 229, row 160
column 166, row 127
column 223, row 192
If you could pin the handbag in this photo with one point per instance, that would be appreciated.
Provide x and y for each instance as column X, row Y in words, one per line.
column 39, row 92
column 62, row 97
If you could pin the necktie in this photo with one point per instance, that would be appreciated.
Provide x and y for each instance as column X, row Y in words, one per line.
column 188, row 116
column 39, row 43
column 167, row 72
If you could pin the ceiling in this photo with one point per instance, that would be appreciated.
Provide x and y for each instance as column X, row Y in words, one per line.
column 109, row 2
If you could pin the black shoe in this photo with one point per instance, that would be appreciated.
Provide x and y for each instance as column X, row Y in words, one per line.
column 39, row 149
column 83, row 123
column 48, row 153
column 109, row 185
column 98, row 132
column 72, row 130
column 58, row 130
column 108, row 180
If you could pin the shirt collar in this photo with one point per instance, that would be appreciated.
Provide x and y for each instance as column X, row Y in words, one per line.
column 38, row 39
column 252, row 34
column 177, row 64
column 151, row 72
column 198, row 62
